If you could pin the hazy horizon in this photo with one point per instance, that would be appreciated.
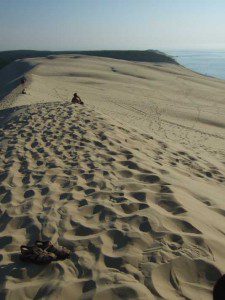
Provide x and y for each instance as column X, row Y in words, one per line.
column 107, row 25
column 158, row 49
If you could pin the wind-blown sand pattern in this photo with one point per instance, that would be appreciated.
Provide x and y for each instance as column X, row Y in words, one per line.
column 143, row 216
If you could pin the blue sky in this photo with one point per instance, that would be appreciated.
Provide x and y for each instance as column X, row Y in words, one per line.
column 112, row 24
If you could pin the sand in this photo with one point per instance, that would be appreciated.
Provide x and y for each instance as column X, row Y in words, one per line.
column 132, row 183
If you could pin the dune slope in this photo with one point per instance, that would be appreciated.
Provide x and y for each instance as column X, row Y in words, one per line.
column 144, row 218
column 132, row 183
column 170, row 101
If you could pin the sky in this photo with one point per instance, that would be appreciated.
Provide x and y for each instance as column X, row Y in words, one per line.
column 112, row 24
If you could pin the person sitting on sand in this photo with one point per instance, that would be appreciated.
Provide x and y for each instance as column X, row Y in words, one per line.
column 23, row 80
column 76, row 99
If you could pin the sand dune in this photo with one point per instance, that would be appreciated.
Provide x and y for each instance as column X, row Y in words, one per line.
column 168, row 100
column 142, row 214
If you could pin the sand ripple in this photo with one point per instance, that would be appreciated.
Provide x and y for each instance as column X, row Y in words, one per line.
column 144, row 219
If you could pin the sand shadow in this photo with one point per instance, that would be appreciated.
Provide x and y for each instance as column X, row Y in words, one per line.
column 10, row 76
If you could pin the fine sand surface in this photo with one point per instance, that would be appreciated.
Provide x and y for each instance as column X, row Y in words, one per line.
column 168, row 100
column 133, row 183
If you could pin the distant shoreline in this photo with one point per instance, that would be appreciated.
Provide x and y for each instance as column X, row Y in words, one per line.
column 207, row 63
column 152, row 56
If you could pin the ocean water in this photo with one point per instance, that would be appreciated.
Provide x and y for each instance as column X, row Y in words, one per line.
column 211, row 63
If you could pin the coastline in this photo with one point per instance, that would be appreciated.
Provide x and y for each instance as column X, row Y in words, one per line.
column 206, row 62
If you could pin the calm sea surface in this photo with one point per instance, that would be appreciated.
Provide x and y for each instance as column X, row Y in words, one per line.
column 211, row 63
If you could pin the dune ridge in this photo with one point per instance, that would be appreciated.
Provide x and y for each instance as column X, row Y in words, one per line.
column 113, row 196
column 6, row 57
column 168, row 100
column 134, row 190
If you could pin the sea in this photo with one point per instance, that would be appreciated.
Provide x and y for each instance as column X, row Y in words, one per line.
column 210, row 63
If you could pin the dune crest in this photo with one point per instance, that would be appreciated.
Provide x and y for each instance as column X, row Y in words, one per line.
column 143, row 217
column 168, row 100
